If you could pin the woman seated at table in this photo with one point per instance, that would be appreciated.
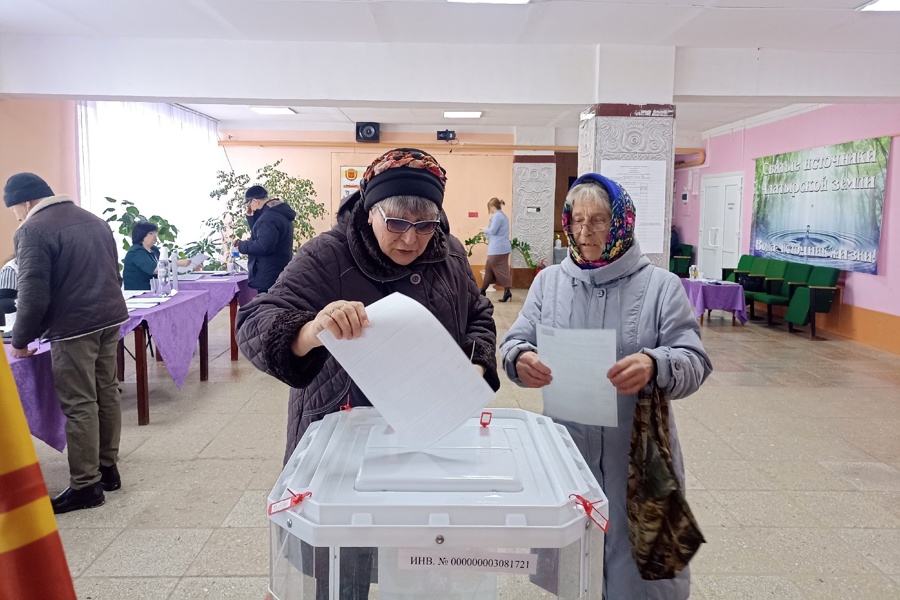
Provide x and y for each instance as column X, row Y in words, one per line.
column 8, row 293
column 141, row 260
column 606, row 282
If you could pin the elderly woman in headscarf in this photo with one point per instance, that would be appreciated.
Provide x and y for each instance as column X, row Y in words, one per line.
column 391, row 236
column 606, row 282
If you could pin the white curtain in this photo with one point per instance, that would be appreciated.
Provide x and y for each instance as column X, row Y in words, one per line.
column 162, row 157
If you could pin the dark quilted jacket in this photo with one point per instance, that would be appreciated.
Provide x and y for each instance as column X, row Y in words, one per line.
column 346, row 264
column 271, row 243
column 69, row 283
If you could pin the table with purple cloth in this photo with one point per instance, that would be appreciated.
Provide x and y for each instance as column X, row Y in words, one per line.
column 175, row 325
column 34, row 380
column 230, row 290
column 705, row 296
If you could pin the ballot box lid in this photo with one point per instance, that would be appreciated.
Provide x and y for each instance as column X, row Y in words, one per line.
column 517, row 481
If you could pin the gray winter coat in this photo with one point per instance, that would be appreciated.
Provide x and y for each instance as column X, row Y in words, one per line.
column 650, row 312
column 347, row 264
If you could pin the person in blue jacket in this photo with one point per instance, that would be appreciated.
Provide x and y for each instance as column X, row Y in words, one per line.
column 271, row 243
column 496, row 270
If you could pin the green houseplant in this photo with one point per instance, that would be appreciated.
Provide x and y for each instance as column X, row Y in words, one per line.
column 126, row 214
column 297, row 193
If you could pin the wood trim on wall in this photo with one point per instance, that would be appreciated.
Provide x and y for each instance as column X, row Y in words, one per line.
column 870, row 327
column 531, row 158
column 461, row 147
column 632, row 110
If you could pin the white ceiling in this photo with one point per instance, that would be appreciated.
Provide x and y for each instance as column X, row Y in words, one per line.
column 692, row 118
column 830, row 26
column 797, row 24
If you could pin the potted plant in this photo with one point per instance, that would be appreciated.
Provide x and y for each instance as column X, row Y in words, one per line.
column 126, row 214
column 522, row 278
column 297, row 193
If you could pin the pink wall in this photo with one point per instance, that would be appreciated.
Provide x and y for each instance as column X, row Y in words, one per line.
column 736, row 153
column 38, row 136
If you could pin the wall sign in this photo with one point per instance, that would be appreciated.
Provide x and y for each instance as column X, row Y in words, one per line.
column 822, row 206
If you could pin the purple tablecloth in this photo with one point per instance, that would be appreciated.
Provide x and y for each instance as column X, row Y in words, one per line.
column 34, row 380
column 708, row 296
column 221, row 290
column 175, row 326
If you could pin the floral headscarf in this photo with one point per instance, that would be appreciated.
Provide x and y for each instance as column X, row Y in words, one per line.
column 621, row 228
column 406, row 157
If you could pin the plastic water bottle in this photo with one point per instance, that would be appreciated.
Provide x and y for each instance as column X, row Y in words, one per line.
column 235, row 255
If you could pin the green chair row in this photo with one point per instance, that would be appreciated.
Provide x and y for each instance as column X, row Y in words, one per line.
column 804, row 289
column 681, row 260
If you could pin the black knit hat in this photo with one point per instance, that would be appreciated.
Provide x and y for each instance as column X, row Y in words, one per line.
column 255, row 192
column 403, row 172
column 23, row 187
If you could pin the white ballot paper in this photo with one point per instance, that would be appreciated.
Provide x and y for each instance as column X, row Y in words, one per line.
column 412, row 371
column 579, row 360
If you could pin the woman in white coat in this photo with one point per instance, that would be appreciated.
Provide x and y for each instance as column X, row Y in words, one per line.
column 607, row 283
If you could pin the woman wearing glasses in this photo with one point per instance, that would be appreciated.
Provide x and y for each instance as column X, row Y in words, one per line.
column 391, row 236
column 606, row 282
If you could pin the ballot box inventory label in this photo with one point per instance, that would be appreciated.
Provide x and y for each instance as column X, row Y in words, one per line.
column 418, row 559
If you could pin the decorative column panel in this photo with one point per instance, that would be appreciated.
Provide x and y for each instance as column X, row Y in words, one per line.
column 631, row 132
column 534, row 190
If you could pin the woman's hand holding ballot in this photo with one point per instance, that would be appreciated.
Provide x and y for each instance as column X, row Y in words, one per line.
column 344, row 319
column 629, row 375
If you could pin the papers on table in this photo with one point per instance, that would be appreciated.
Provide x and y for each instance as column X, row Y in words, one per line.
column 412, row 371
column 146, row 302
column 190, row 276
column 579, row 360
column 132, row 293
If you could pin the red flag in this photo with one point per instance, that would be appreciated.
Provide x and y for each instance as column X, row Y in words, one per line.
column 32, row 561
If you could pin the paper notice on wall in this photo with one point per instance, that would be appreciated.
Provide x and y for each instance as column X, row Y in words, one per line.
column 645, row 182
column 350, row 178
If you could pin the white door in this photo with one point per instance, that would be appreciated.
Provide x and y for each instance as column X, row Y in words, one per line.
column 720, row 223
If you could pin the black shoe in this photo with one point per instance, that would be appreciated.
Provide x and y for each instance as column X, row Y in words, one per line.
column 87, row 497
column 109, row 478
column 484, row 292
column 506, row 296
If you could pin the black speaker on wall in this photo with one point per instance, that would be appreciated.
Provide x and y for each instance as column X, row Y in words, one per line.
column 368, row 132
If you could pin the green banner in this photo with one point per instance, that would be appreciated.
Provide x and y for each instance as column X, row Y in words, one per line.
column 822, row 206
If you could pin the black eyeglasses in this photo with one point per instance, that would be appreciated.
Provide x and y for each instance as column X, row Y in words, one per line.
column 402, row 225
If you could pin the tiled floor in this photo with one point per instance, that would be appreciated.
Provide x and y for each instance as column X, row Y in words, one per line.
column 792, row 448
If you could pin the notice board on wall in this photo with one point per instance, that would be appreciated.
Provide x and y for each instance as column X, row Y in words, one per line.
column 822, row 206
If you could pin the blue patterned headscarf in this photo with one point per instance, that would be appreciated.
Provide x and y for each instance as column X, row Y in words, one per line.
column 621, row 228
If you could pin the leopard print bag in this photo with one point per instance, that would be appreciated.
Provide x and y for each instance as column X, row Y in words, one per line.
column 664, row 533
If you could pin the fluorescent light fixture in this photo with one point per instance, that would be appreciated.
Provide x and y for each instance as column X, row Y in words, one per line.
column 273, row 110
column 881, row 5
column 490, row 1
column 462, row 114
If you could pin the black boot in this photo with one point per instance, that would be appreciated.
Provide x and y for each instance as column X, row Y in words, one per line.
column 506, row 295
column 484, row 292
column 109, row 478
column 87, row 497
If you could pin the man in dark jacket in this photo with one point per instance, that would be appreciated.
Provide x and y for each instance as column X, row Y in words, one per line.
column 70, row 294
column 271, row 242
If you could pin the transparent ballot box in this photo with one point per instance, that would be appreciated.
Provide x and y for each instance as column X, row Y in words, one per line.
column 503, row 507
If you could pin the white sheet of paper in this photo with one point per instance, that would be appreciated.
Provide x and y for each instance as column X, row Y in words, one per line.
column 132, row 293
column 412, row 371
column 645, row 182
column 579, row 360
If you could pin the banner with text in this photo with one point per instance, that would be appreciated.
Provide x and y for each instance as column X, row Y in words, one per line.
column 822, row 206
